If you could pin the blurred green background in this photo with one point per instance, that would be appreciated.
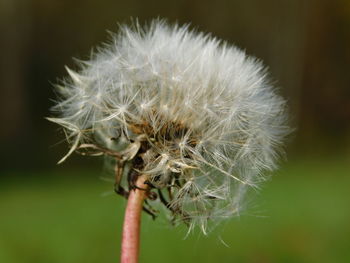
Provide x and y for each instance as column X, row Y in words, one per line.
column 67, row 213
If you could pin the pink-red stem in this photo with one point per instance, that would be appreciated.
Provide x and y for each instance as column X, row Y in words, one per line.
column 132, row 220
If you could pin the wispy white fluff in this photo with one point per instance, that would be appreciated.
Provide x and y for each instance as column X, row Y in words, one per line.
column 207, row 111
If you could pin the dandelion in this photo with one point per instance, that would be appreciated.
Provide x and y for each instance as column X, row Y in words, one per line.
column 190, row 122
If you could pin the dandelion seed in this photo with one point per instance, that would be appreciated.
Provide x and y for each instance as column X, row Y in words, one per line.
column 195, row 117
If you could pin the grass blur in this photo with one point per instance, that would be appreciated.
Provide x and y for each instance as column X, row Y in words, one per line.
column 302, row 215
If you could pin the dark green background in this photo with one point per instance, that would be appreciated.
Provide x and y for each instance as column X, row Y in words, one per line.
column 52, row 213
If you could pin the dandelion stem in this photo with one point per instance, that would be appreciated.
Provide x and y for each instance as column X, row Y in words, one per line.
column 132, row 220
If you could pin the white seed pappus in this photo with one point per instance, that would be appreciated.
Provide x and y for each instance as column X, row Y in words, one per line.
column 196, row 114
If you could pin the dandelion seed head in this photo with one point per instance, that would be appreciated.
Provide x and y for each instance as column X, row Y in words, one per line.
column 201, row 114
